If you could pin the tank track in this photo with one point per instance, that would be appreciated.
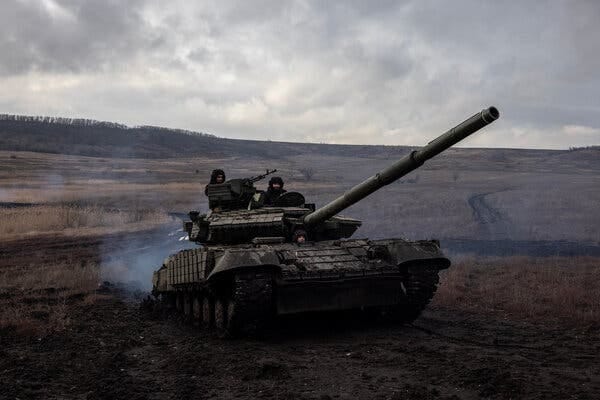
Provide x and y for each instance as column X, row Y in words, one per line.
column 419, row 287
column 252, row 304
column 244, row 308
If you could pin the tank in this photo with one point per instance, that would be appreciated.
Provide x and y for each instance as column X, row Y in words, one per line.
column 255, row 262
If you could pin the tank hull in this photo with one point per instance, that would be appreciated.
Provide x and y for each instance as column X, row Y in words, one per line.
column 237, row 289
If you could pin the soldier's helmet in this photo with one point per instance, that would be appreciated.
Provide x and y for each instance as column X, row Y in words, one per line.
column 214, row 174
column 276, row 179
column 299, row 236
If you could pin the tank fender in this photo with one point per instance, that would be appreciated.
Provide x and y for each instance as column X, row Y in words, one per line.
column 238, row 259
column 402, row 251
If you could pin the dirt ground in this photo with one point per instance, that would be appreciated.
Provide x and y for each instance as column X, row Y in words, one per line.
column 113, row 348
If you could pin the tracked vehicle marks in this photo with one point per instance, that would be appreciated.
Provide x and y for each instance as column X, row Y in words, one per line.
column 491, row 221
column 483, row 212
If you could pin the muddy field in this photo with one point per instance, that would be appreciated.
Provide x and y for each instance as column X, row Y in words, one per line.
column 112, row 347
column 113, row 350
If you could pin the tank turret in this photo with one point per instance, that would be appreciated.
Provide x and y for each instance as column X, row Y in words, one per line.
column 238, row 215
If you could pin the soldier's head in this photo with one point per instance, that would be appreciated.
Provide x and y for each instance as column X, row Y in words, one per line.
column 217, row 176
column 276, row 183
column 299, row 236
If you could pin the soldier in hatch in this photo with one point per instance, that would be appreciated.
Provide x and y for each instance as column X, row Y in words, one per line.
column 274, row 191
column 299, row 236
column 217, row 176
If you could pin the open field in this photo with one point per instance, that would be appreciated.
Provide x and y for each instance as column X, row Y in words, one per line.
column 35, row 301
column 74, row 220
column 466, row 193
column 544, row 290
column 499, row 327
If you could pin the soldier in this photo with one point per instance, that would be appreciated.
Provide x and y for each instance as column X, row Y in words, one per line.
column 274, row 191
column 299, row 236
column 216, row 176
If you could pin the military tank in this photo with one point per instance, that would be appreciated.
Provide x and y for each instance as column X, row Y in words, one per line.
column 255, row 262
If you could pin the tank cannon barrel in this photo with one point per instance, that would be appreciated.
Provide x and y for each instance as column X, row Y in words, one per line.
column 403, row 166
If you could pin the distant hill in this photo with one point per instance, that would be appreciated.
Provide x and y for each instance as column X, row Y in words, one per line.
column 106, row 139
column 93, row 138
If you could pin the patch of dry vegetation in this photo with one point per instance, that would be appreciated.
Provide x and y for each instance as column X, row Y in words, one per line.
column 35, row 301
column 73, row 219
column 548, row 289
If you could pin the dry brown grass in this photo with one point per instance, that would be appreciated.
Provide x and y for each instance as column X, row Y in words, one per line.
column 73, row 219
column 40, row 192
column 36, row 301
column 548, row 289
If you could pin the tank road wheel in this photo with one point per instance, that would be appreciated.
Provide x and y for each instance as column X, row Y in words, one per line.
column 222, row 320
column 179, row 302
column 208, row 311
column 196, row 309
column 168, row 301
column 171, row 300
column 187, row 307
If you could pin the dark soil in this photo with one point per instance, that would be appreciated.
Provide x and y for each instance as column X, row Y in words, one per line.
column 113, row 349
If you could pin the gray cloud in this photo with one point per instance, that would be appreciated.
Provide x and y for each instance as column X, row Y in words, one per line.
column 355, row 72
column 68, row 35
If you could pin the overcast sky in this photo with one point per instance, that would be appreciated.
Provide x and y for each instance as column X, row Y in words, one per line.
column 384, row 72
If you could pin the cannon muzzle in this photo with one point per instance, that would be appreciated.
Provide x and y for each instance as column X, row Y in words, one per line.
column 403, row 166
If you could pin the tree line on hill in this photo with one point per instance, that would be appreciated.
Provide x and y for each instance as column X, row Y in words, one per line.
column 94, row 138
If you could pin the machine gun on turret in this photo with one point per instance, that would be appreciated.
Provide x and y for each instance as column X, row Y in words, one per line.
column 261, row 177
